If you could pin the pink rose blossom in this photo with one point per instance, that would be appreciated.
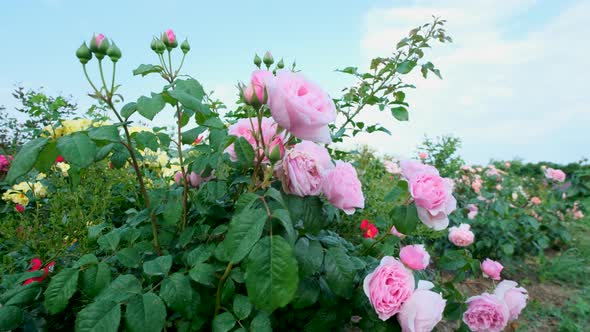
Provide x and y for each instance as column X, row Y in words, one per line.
column 303, row 168
column 19, row 208
column 536, row 200
column 395, row 232
column 244, row 128
column 491, row 269
column 170, row 35
column 514, row 297
column 300, row 106
column 432, row 193
column 343, row 188
column 392, row 167
column 388, row 287
column 473, row 210
column 507, row 164
column 258, row 82
column 99, row 39
column 194, row 179
column 554, row 174
column 461, row 236
column 476, row 185
column 5, row 162
column 486, row 313
column 492, row 171
column 414, row 256
column 498, row 187
column 423, row 155
column 423, row 310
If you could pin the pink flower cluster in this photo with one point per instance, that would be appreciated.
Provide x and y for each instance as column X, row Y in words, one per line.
column 251, row 131
column 390, row 289
column 491, row 312
column 432, row 193
column 554, row 174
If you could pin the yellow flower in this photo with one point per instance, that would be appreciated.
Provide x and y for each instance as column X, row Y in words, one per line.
column 72, row 126
column 23, row 187
column 39, row 189
column 41, row 176
column 63, row 168
column 16, row 197
column 137, row 129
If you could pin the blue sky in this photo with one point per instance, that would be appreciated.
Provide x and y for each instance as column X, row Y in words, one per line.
column 514, row 79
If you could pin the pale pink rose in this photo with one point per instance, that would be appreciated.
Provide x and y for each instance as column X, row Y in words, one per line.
column 555, row 174
column 244, row 128
column 414, row 256
column 423, row 155
column 468, row 168
column 99, row 39
column 423, row 310
column 194, row 179
column 248, row 93
column 514, row 297
column 507, row 164
column 343, row 188
column 392, row 167
column 476, row 185
column 388, row 287
column 432, row 193
column 498, row 187
column 578, row 215
column 514, row 196
column 170, row 35
column 486, row 313
column 479, row 169
column 473, row 210
column 536, row 200
column 491, row 269
column 461, row 236
column 303, row 168
column 395, row 232
column 300, row 106
column 492, row 171
column 258, row 82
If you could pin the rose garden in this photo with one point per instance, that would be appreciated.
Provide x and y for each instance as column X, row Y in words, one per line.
column 251, row 219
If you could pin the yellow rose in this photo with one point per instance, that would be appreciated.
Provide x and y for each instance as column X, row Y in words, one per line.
column 23, row 187
column 39, row 189
column 63, row 167
column 41, row 176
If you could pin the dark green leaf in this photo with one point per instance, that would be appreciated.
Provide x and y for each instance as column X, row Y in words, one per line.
column 11, row 318
column 310, row 256
column 176, row 292
column 61, row 288
column 25, row 159
column 203, row 273
column 95, row 278
column 244, row 152
column 405, row 218
column 223, row 322
column 149, row 107
column 121, row 289
column 340, row 271
column 242, row 307
column 129, row 257
column 105, row 133
column 400, row 113
column 128, row 109
column 144, row 69
column 159, row 266
column 77, row 149
column 261, row 323
column 100, row 316
column 145, row 313
column 244, row 231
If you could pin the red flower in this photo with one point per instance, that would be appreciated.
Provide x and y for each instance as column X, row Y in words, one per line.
column 364, row 224
column 36, row 266
column 198, row 140
column 59, row 159
column 370, row 230
column 19, row 208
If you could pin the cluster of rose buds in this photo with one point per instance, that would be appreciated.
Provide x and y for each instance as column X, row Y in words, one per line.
column 100, row 47
column 168, row 41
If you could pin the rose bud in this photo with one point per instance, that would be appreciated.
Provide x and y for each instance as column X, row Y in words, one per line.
column 185, row 47
column 83, row 53
column 268, row 59
column 114, row 52
column 257, row 60
column 281, row 64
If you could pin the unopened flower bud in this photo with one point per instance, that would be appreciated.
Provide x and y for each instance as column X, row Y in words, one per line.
column 185, row 47
column 95, row 42
column 281, row 64
column 160, row 47
column 268, row 59
column 83, row 53
column 169, row 39
column 257, row 60
column 114, row 52
column 103, row 46
column 153, row 44
column 277, row 151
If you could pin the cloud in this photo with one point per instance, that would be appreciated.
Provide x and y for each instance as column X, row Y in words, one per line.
column 506, row 91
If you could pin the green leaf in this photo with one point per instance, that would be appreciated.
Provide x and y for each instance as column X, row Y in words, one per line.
column 244, row 231
column 244, row 152
column 310, row 255
column 100, row 316
column 308, row 211
column 189, row 136
column 452, row 260
column 172, row 213
column 400, row 113
column 95, row 278
column 11, row 318
column 105, row 133
column 261, row 323
column 110, row 240
column 242, row 306
column 88, row 259
column 204, row 274
column 144, row 69
column 284, row 218
column 245, row 202
column 307, row 293
column 121, row 289
column 275, row 195
column 159, row 266
column 77, row 149
column 200, row 254
column 145, row 139
column 340, row 271
column 149, row 107
column 188, row 101
column 223, row 322
column 176, row 291
column 405, row 218
column 271, row 273
column 191, row 87
column 25, row 159
column 61, row 288
column 129, row 257
column 145, row 313
column 128, row 109
column 214, row 122
column 46, row 158
column 24, row 295
column 406, row 66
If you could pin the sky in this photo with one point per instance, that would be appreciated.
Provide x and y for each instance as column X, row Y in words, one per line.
column 514, row 79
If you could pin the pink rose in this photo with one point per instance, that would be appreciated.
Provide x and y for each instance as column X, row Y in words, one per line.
column 423, row 155
column 170, row 35
column 99, row 39
column 343, row 188
column 423, row 310
column 486, row 313
column 536, row 200
column 194, row 179
column 395, row 232
column 414, row 256
column 244, row 128
column 5, row 162
column 473, row 210
column 491, row 269
column 392, row 167
column 461, row 236
column 302, row 169
column 432, row 193
column 507, row 164
column 258, row 82
column 555, row 174
column 476, row 185
column 498, row 187
column 515, row 297
column 300, row 106
column 388, row 287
